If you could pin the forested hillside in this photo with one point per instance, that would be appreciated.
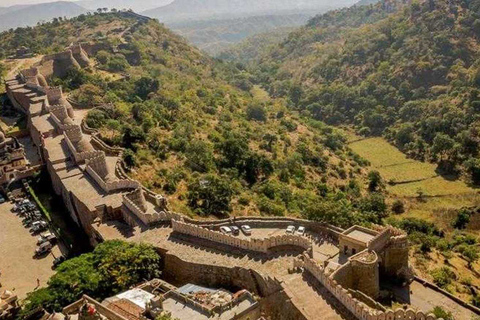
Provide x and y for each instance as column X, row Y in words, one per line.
column 214, row 36
column 188, row 121
column 409, row 73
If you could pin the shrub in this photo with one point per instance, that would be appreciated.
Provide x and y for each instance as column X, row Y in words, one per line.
column 462, row 219
column 443, row 276
column 256, row 112
column 398, row 206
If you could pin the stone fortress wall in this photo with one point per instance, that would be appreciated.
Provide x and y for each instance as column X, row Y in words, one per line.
column 256, row 245
column 356, row 307
column 126, row 198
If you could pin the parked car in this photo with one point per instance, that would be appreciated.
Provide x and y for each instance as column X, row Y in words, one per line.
column 43, row 248
column 235, row 230
column 46, row 237
column 226, row 230
column 291, row 229
column 39, row 226
column 246, row 230
column 301, row 230
column 58, row 261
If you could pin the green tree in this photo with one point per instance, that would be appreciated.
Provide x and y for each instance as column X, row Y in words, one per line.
column 3, row 70
column 257, row 112
column 199, row 156
column 375, row 181
column 462, row 219
column 112, row 267
column 146, row 85
column 210, row 195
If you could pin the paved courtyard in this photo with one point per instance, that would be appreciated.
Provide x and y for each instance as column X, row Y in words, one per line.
column 19, row 269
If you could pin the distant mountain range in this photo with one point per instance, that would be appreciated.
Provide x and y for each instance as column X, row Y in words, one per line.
column 30, row 15
column 212, row 25
column 181, row 10
column 135, row 5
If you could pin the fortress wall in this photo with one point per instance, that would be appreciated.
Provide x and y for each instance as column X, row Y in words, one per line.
column 79, row 157
column 58, row 64
column 271, row 222
column 80, row 55
column 13, row 99
column 109, row 151
column 359, row 309
column 380, row 241
column 111, row 186
column 180, row 272
column 256, row 245
column 365, row 273
column 54, row 94
column 395, row 258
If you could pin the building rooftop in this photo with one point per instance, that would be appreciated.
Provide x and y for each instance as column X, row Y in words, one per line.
column 360, row 234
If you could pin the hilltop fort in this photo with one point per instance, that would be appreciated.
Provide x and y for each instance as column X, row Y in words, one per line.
column 328, row 270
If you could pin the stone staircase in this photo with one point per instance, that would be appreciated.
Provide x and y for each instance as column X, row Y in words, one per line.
column 312, row 299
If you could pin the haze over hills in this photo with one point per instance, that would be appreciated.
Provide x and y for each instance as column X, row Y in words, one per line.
column 200, row 9
column 135, row 5
column 214, row 36
column 212, row 25
column 30, row 15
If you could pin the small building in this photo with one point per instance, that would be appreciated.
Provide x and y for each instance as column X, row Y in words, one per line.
column 13, row 164
column 8, row 305
column 158, row 297
column 355, row 240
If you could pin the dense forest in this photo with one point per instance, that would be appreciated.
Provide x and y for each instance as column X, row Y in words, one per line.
column 407, row 72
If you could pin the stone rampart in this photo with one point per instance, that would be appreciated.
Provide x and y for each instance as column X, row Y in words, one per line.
column 54, row 94
column 380, row 241
column 80, row 55
column 359, row 309
column 255, row 245
column 179, row 271
column 149, row 217
column 111, row 186
column 271, row 222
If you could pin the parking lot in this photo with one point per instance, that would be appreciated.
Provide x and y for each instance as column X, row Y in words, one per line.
column 323, row 247
column 19, row 267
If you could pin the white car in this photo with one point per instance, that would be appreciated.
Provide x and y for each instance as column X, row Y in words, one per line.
column 46, row 237
column 247, row 230
column 291, row 229
column 226, row 230
column 43, row 248
column 301, row 231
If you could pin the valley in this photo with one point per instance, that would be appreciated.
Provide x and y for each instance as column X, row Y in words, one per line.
column 357, row 127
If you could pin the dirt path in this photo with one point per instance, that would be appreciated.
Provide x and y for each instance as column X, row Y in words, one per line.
column 23, row 63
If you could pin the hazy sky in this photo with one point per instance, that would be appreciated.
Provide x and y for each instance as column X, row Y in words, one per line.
column 8, row 3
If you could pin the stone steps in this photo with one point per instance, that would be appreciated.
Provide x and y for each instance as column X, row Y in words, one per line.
column 313, row 300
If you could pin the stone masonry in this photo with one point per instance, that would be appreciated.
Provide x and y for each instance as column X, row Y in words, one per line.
column 88, row 175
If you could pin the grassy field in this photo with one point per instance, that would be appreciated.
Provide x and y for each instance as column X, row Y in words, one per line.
column 440, row 201
column 441, row 198
column 406, row 177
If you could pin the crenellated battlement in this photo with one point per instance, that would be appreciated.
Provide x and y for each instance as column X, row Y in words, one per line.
column 256, row 245
column 54, row 94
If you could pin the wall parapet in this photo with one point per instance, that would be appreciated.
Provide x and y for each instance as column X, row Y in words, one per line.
column 359, row 309
column 256, row 245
